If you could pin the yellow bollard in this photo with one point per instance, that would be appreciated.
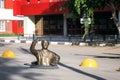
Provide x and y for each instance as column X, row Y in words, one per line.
column 8, row 54
column 89, row 62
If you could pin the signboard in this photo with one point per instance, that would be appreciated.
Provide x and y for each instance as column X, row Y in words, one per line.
column 82, row 20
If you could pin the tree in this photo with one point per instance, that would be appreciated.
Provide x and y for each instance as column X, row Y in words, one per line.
column 80, row 7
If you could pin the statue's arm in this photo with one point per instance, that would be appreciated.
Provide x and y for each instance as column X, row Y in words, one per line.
column 32, row 47
column 55, row 55
column 56, row 58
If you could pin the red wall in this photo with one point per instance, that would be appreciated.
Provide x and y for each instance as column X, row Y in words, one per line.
column 16, row 29
column 12, row 26
column 8, row 27
column 21, row 7
column 105, row 9
column 8, row 4
column 35, row 8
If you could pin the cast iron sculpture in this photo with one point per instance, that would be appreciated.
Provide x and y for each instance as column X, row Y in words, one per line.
column 44, row 56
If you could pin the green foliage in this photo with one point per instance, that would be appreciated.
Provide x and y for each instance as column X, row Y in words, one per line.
column 8, row 35
column 86, row 26
column 88, row 5
column 81, row 8
column 78, row 7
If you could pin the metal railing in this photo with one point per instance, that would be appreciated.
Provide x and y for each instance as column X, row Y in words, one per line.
column 70, row 38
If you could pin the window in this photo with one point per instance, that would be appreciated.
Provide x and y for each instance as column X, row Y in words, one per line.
column 1, row 3
column 2, row 26
column 53, row 24
column 20, row 24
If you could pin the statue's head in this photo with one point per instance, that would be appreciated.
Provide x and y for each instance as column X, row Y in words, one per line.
column 45, row 44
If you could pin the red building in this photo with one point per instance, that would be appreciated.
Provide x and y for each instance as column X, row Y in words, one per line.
column 42, row 17
column 45, row 17
column 9, row 24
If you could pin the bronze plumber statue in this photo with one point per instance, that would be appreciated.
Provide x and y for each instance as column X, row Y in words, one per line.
column 44, row 56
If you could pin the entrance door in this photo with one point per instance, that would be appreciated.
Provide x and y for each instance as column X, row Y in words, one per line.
column 49, row 24
column 53, row 24
column 39, row 25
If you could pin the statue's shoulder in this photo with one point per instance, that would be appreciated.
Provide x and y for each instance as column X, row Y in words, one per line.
column 51, row 52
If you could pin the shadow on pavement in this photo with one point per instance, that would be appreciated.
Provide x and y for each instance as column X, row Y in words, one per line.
column 26, row 51
column 9, row 70
column 112, row 54
column 81, row 72
column 2, row 44
column 110, row 57
column 105, row 56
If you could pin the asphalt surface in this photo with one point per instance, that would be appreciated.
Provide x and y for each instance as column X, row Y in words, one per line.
column 18, row 68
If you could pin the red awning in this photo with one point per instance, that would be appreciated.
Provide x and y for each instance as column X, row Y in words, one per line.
column 41, row 8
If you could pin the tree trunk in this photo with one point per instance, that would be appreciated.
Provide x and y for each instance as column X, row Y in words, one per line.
column 114, row 17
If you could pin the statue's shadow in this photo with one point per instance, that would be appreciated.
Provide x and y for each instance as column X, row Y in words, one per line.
column 81, row 72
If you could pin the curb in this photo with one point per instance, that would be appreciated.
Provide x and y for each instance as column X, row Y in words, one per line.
column 26, row 41
column 15, row 41
column 59, row 43
column 51, row 42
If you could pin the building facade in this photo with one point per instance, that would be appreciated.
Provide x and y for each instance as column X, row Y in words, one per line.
column 45, row 17
column 9, row 24
column 42, row 17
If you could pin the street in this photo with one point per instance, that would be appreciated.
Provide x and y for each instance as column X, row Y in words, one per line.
column 108, row 59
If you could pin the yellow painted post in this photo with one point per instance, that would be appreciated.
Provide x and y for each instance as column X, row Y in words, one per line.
column 89, row 62
column 8, row 54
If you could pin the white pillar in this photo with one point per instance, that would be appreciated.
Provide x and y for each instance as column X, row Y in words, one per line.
column 65, row 25
column 29, row 26
column 119, row 16
column 119, row 21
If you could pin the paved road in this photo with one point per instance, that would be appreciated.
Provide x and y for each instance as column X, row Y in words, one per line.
column 108, row 59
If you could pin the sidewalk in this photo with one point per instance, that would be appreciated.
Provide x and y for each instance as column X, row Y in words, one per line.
column 58, row 40
column 53, row 40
